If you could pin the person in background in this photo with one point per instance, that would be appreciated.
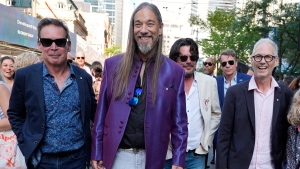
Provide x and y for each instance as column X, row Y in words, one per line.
column 80, row 60
column 4, row 101
column 25, row 59
column 253, row 127
column 8, row 72
column 11, row 156
column 202, row 105
column 295, row 84
column 52, row 104
column 71, row 59
column 96, row 70
column 141, row 102
column 293, row 142
column 209, row 66
column 243, row 68
column 228, row 61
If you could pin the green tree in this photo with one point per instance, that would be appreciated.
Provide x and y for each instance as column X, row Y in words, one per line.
column 239, row 29
column 114, row 50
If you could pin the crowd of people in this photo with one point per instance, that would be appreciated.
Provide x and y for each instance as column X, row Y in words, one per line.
column 145, row 110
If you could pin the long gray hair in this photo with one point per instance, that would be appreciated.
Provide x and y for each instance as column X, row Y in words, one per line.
column 125, row 65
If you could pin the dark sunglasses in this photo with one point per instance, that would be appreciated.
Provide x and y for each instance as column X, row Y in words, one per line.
column 231, row 62
column 58, row 42
column 184, row 58
column 208, row 63
column 80, row 57
column 134, row 101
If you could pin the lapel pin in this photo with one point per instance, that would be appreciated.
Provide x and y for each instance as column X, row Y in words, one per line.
column 277, row 99
column 167, row 89
column 80, row 78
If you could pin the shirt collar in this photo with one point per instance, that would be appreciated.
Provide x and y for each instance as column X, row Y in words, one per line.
column 253, row 86
column 46, row 72
column 233, row 79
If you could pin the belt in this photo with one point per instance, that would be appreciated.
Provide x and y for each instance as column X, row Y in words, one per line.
column 191, row 151
column 134, row 150
column 63, row 154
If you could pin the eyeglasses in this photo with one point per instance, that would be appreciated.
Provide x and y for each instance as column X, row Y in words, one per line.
column 268, row 58
column 231, row 62
column 134, row 101
column 208, row 63
column 58, row 42
column 80, row 57
column 184, row 58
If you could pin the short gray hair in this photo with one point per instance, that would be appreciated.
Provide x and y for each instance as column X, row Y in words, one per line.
column 266, row 40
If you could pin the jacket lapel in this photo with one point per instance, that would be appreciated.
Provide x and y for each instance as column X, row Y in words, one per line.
column 81, row 89
column 276, row 106
column 37, row 77
column 250, row 105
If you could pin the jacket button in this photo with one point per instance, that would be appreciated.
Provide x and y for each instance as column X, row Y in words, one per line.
column 36, row 143
column 121, row 122
column 119, row 131
column 42, row 126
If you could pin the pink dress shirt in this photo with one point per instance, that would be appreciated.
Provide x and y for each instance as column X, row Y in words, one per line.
column 261, row 158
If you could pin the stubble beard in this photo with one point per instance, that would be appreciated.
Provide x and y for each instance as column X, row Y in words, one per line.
column 188, row 75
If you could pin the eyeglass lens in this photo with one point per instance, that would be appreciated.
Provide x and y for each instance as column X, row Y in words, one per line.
column 258, row 58
column 134, row 101
column 48, row 42
column 231, row 62
column 193, row 58
column 207, row 63
column 80, row 58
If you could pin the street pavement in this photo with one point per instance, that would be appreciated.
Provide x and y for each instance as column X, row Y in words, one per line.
column 210, row 156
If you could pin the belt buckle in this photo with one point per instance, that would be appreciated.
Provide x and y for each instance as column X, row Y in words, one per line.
column 135, row 150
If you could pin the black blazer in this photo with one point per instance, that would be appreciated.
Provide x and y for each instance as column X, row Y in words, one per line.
column 236, row 137
column 26, row 111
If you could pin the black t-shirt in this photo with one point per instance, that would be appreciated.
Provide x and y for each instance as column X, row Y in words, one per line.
column 134, row 133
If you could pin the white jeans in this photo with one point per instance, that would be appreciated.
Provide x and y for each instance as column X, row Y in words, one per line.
column 129, row 159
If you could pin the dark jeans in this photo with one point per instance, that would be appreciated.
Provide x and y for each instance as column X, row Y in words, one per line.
column 72, row 160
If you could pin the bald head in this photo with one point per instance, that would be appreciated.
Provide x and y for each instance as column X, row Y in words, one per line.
column 209, row 66
column 80, row 58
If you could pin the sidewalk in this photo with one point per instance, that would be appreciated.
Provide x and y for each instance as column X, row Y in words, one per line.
column 210, row 155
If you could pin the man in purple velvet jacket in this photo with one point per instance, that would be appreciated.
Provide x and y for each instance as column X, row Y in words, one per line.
column 141, row 102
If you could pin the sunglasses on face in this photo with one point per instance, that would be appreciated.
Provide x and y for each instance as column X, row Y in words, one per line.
column 258, row 57
column 58, row 42
column 231, row 62
column 193, row 58
column 80, row 58
column 208, row 63
column 134, row 101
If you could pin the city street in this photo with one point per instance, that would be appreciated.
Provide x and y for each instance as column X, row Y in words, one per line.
column 210, row 155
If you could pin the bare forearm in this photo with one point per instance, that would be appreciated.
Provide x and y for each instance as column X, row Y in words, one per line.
column 4, row 124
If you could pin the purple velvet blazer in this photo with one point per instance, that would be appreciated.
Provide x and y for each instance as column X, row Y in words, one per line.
column 167, row 116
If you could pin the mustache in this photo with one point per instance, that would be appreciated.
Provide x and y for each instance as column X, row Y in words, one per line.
column 144, row 35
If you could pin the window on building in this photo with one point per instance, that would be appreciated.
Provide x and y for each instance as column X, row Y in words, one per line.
column 110, row 6
column 111, row 1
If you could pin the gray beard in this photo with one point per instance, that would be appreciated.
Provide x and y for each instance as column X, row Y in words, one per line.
column 144, row 48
